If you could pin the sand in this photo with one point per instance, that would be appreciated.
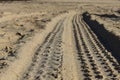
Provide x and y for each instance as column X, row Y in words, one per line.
column 31, row 30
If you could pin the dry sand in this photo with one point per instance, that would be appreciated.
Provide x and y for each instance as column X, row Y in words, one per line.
column 24, row 27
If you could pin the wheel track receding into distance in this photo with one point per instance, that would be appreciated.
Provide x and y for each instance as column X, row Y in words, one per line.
column 95, row 62
column 47, row 61
column 71, row 51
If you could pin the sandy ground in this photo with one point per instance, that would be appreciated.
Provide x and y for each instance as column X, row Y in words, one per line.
column 69, row 50
column 29, row 29
column 19, row 22
column 30, row 47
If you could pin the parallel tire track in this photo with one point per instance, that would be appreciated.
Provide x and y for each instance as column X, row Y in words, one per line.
column 95, row 62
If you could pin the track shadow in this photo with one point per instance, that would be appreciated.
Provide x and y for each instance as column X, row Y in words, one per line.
column 108, row 39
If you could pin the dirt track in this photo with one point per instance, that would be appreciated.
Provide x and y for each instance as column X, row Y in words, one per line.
column 68, row 51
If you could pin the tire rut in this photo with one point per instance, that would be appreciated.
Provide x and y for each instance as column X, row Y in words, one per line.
column 47, row 61
column 96, row 63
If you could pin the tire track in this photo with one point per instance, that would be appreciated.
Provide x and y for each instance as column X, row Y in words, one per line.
column 95, row 62
column 47, row 61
